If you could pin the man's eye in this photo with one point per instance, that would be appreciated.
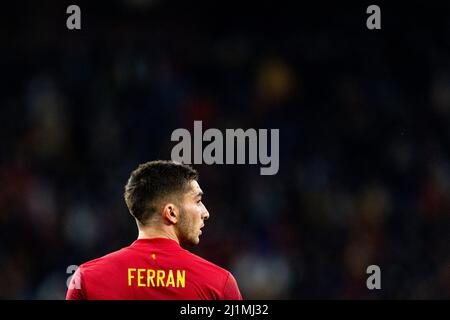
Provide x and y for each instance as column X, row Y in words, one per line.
column 199, row 201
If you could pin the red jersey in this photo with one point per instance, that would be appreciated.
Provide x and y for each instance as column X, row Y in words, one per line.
column 155, row 268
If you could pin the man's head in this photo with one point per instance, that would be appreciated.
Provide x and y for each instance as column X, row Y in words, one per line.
column 166, row 194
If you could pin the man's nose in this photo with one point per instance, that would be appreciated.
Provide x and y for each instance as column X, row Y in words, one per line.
column 206, row 214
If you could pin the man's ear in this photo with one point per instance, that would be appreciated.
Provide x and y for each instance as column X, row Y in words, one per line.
column 170, row 213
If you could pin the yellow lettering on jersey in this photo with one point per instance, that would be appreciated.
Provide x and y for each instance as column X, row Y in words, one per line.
column 140, row 284
column 160, row 275
column 170, row 280
column 130, row 275
column 181, row 278
column 150, row 277
column 156, row 278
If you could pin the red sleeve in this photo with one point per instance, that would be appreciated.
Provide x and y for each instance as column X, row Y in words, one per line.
column 231, row 290
column 75, row 290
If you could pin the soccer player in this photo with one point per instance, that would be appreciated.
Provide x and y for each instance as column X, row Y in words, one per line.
column 166, row 201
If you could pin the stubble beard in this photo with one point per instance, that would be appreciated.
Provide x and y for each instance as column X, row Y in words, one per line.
column 186, row 231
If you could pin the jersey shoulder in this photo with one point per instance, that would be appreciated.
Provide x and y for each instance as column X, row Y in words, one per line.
column 108, row 261
column 220, row 282
column 207, row 265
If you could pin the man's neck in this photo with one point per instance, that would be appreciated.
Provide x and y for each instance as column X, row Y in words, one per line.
column 151, row 232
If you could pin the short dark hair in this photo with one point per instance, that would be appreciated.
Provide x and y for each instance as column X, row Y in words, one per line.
column 154, row 181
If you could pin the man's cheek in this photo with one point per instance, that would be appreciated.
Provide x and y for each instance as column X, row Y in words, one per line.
column 192, row 207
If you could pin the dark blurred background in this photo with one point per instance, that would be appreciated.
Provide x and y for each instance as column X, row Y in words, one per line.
column 363, row 115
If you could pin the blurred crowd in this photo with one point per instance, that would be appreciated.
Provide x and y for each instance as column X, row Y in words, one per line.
column 364, row 174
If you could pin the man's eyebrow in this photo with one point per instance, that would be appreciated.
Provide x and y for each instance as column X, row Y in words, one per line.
column 199, row 194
